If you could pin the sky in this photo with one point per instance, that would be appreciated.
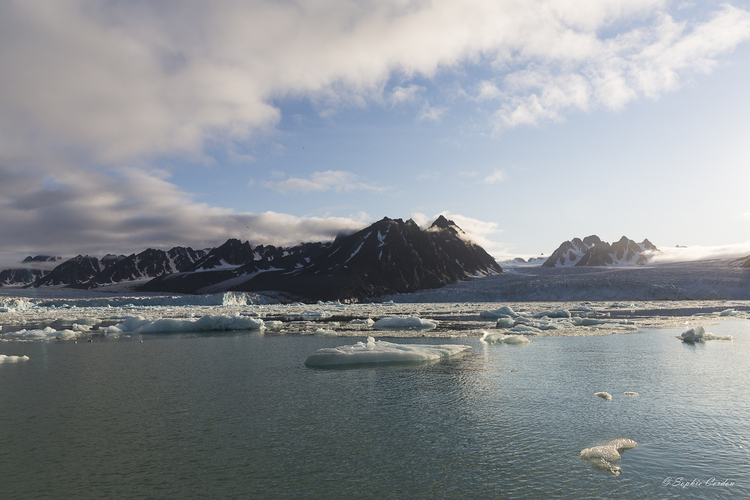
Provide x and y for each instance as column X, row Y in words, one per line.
column 134, row 124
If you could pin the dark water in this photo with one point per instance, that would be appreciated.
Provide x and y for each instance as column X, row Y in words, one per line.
column 240, row 416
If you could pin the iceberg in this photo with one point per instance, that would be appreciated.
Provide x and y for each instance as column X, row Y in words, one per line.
column 208, row 323
column 604, row 456
column 555, row 313
column 12, row 359
column 382, row 352
column 405, row 323
column 699, row 334
column 496, row 338
column 505, row 322
column 503, row 312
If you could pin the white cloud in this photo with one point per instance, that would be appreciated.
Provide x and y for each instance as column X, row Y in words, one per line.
column 480, row 232
column 406, row 94
column 692, row 253
column 496, row 176
column 118, row 81
column 431, row 113
column 330, row 180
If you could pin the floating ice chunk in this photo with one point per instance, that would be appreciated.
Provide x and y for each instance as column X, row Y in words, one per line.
column 274, row 325
column 728, row 312
column 363, row 322
column 380, row 351
column 325, row 332
column 699, row 334
column 405, row 323
column 496, row 338
column 629, row 393
column 587, row 321
column 505, row 322
column 525, row 330
column 307, row 315
column 604, row 395
column 555, row 313
column 43, row 334
column 606, row 455
column 503, row 312
column 206, row 323
column 12, row 359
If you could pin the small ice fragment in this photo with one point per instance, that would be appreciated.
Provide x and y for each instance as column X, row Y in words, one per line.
column 12, row 359
column 628, row 393
column 325, row 332
column 728, row 312
column 604, row 395
column 503, row 312
column 405, row 323
column 604, row 456
column 380, row 351
column 497, row 337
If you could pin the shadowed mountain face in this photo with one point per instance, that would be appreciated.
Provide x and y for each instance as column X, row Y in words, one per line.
column 592, row 251
column 390, row 256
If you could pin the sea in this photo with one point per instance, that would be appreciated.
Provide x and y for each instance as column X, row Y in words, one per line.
column 238, row 414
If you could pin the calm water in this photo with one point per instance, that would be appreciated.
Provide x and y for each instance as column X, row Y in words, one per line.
column 240, row 416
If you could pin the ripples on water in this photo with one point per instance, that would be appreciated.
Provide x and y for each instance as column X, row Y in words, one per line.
column 239, row 416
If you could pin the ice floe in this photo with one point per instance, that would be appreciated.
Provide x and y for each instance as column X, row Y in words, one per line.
column 12, row 359
column 379, row 351
column 498, row 337
column 208, row 323
column 605, row 456
column 699, row 334
column 604, row 395
column 630, row 393
column 405, row 323
column 46, row 333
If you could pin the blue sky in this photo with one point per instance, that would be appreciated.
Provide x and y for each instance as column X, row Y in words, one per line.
column 128, row 125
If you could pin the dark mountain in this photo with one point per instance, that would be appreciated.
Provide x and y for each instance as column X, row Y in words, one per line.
column 148, row 264
column 41, row 258
column 390, row 256
column 592, row 251
column 74, row 271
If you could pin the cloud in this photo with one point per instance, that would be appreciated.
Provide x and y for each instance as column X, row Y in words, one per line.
column 130, row 210
column 406, row 94
column 330, row 180
column 431, row 113
column 693, row 253
column 496, row 176
column 480, row 232
column 123, row 80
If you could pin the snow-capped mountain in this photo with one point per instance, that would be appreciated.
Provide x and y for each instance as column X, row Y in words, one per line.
column 30, row 269
column 148, row 264
column 390, row 256
column 592, row 251
column 76, row 271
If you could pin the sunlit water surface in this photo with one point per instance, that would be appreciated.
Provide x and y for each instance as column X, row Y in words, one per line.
column 240, row 416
